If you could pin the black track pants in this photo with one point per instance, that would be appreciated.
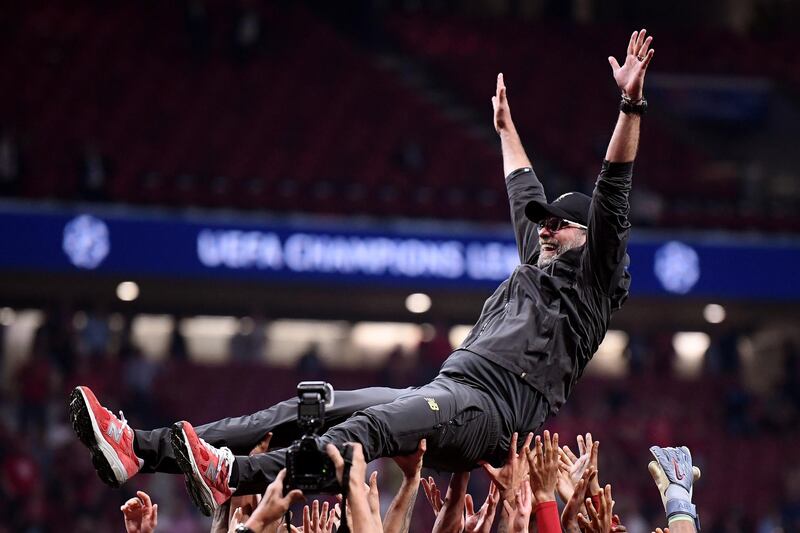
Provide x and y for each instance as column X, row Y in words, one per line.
column 460, row 423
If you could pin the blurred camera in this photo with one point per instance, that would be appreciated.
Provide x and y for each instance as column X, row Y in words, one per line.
column 308, row 466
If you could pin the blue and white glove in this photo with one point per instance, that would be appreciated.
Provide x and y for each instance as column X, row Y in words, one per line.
column 674, row 476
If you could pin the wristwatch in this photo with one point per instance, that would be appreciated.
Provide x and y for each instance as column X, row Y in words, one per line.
column 633, row 107
column 241, row 528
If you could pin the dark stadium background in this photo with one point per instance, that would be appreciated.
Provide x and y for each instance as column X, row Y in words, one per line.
column 128, row 128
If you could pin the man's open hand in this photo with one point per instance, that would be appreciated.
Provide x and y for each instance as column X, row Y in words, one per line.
column 502, row 113
column 630, row 76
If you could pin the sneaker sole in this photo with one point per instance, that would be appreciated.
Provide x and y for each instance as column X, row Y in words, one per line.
column 201, row 495
column 86, row 429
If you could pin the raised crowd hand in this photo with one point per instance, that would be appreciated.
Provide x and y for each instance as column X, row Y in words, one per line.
column 141, row 515
column 524, row 509
column 433, row 494
column 600, row 519
column 510, row 475
column 274, row 503
column 543, row 462
column 238, row 518
column 450, row 518
column 481, row 521
column 587, row 445
column 317, row 519
column 569, row 517
column 570, row 470
column 411, row 465
column 630, row 76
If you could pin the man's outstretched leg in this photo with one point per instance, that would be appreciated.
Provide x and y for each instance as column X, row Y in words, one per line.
column 119, row 452
column 460, row 424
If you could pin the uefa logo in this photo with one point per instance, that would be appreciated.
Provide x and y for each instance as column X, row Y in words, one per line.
column 86, row 241
column 677, row 267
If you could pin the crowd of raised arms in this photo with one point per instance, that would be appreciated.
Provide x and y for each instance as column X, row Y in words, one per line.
column 522, row 496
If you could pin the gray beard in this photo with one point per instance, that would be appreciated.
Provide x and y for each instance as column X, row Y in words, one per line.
column 543, row 262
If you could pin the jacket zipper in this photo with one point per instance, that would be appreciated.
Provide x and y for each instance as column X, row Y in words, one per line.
column 505, row 306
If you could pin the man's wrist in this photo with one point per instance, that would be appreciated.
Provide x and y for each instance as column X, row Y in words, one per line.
column 509, row 133
column 413, row 480
column 356, row 488
column 542, row 496
column 633, row 106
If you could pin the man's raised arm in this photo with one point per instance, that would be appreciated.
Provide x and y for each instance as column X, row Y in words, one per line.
column 523, row 185
column 609, row 227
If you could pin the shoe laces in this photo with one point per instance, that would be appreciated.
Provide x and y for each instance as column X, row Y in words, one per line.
column 124, row 422
column 121, row 418
column 224, row 457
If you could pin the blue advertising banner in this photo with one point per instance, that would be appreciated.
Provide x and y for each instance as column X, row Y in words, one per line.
column 135, row 244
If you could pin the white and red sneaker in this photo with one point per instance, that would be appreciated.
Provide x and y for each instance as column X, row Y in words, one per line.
column 109, row 439
column 207, row 469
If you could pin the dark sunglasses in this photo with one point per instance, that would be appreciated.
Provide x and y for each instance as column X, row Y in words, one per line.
column 554, row 224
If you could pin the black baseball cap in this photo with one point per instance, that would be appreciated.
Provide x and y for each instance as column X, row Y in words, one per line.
column 571, row 206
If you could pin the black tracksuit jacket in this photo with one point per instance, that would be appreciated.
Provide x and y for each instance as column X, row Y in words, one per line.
column 544, row 325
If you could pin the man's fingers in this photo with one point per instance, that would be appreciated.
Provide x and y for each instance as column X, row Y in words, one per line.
column 539, row 453
column 469, row 505
column 295, row 496
column 155, row 515
column 632, row 42
column 144, row 497
column 281, row 476
column 614, row 65
column 582, row 461
column 132, row 503
column 422, row 447
column 569, row 453
column 648, row 58
column 591, row 510
column 492, row 471
column 508, row 508
column 307, row 519
column 606, row 501
column 527, row 445
column 512, row 449
column 564, row 458
column 645, row 46
column 581, row 445
column 323, row 512
column 336, row 457
column 426, row 488
column 640, row 41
